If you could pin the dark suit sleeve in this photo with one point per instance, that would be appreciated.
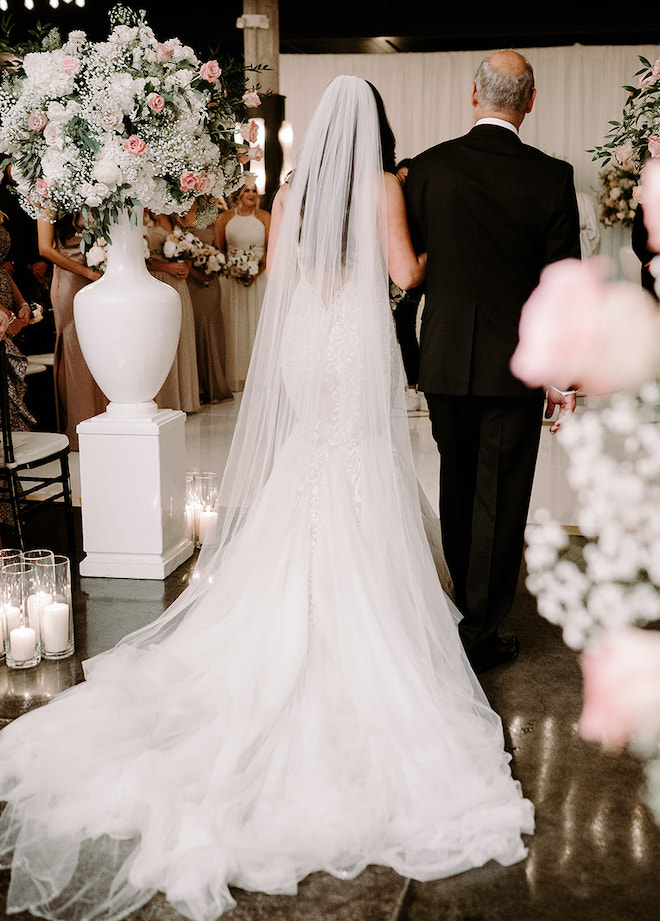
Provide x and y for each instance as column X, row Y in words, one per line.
column 639, row 241
column 639, row 237
column 563, row 239
column 414, row 201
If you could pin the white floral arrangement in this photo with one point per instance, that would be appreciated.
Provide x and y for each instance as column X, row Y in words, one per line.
column 243, row 266
column 92, row 128
column 616, row 196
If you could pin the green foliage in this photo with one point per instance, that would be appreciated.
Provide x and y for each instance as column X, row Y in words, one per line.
column 639, row 122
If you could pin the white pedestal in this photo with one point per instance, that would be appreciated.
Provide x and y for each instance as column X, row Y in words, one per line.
column 132, row 485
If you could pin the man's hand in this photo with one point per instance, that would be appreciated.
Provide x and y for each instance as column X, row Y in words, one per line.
column 566, row 401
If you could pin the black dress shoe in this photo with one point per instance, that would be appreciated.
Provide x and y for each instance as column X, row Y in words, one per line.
column 504, row 649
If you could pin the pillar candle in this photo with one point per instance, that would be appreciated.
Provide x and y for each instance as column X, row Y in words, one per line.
column 55, row 627
column 13, row 617
column 207, row 522
column 22, row 643
column 35, row 605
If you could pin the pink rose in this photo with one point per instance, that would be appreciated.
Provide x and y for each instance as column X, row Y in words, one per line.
column 251, row 100
column 249, row 180
column 71, row 65
column 163, row 52
column 654, row 146
column 623, row 153
column 188, row 181
column 650, row 78
column 202, row 184
column 37, row 120
column 41, row 187
column 250, row 132
column 155, row 102
column 52, row 132
column 578, row 328
column 135, row 145
column 210, row 71
column 621, row 686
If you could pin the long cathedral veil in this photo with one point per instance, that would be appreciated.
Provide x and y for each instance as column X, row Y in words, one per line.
column 310, row 371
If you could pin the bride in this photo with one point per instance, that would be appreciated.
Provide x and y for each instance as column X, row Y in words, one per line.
column 306, row 703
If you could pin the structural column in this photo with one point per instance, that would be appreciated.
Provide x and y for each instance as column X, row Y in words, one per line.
column 261, row 45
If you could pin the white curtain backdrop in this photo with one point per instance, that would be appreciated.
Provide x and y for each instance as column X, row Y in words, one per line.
column 427, row 97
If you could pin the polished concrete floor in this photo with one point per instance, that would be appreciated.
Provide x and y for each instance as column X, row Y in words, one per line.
column 595, row 855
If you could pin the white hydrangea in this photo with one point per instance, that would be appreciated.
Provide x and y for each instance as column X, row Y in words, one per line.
column 106, row 170
column 45, row 70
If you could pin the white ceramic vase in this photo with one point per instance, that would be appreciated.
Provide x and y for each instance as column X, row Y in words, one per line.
column 128, row 325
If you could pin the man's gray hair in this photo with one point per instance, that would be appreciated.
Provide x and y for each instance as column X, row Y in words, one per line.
column 504, row 92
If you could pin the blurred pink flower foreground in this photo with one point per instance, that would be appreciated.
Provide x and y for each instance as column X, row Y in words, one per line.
column 622, row 688
column 578, row 328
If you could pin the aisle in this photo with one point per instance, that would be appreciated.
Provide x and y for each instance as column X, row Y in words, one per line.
column 596, row 852
column 209, row 433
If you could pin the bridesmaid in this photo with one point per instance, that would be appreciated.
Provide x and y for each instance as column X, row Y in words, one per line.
column 15, row 313
column 244, row 226
column 209, row 328
column 77, row 395
column 181, row 388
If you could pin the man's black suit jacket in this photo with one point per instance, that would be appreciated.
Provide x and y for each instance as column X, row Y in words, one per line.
column 490, row 212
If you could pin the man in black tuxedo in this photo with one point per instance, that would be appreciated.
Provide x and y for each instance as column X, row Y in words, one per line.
column 490, row 212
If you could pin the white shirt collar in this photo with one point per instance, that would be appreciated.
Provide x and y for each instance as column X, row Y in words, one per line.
column 498, row 121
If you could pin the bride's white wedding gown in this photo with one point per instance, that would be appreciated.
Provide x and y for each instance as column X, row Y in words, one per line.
column 312, row 711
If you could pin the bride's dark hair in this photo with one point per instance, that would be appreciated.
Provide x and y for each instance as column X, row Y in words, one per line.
column 387, row 140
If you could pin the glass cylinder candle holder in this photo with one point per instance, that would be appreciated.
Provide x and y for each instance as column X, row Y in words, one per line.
column 42, row 563
column 206, row 518
column 53, row 588
column 191, row 503
column 21, row 626
column 7, row 555
column 37, row 556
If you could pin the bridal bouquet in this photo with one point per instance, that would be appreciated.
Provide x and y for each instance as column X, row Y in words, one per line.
column 180, row 244
column 36, row 313
column 97, row 127
column 183, row 244
column 242, row 265
column 209, row 260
